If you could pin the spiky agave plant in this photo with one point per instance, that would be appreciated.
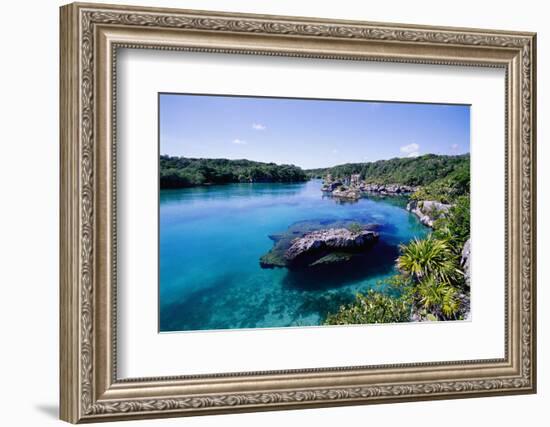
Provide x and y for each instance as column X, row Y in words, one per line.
column 429, row 257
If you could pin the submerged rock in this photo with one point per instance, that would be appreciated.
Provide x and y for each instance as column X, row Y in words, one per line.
column 317, row 243
column 428, row 211
column 333, row 258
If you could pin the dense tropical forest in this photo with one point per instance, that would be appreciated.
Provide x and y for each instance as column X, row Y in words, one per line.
column 415, row 171
column 182, row 172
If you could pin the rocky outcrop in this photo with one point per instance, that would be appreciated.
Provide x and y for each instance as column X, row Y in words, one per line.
column 346, row 193
column 465, row 261
column 353, row 187
column 387, row 188
column 428, row 211
column 324, row 242
column 330, row 186
column 319, row 242
column 339, row 190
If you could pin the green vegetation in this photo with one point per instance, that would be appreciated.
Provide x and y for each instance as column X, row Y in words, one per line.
column 448, row 188
column 373, row 307
column 455, row 227
column 430, row 285
column 355, row 227
column 415, row 171
column 429, row 258
column 438, row 298
column 182, row 172
column 434, row 266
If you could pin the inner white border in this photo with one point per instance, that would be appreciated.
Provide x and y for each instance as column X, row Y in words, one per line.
column 143, row 352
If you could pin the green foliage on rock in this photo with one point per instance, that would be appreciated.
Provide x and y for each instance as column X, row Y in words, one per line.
column 182, row 172
column 355, row 227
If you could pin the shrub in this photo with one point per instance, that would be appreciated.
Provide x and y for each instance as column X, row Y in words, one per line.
column 455, row 226
column 437, row 297
column 372, row 307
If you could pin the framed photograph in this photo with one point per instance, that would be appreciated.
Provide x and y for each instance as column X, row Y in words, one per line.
column 266, row 212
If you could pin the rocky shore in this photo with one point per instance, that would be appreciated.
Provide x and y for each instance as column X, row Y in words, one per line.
column 388, row 189
column 346, row 193
column 465, row 261
column 353, row 187
column 428, row 211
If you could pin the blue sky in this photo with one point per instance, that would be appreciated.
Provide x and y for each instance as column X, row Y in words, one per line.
column 308, row 133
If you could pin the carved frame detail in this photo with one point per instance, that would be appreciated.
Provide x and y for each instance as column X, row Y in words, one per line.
column 82, row 399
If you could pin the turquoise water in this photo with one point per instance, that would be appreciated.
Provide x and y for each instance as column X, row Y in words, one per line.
column 211, row 239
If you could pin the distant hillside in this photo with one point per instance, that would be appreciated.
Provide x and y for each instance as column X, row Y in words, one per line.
column 181, row 172
column 417, row 171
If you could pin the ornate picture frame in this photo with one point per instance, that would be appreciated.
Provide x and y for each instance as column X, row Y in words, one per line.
column 90, row 37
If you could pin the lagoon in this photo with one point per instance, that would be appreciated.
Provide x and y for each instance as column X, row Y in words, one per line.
column 212, row 237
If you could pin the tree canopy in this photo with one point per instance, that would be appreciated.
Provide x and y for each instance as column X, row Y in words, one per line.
column 181, row 172
column 416, row 171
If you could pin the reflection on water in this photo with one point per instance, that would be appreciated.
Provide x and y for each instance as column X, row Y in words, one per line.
column 211, row 239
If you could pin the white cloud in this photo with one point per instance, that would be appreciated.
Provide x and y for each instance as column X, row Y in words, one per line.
column 410, row 150
column 335, row 151
column 258, row 126
column 239, row 141
column 406, row 149
column 454, row 147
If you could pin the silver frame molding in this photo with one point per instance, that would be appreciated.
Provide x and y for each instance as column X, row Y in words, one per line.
column 90, row 37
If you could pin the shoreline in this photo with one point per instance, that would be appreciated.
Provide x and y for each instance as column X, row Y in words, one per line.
column 223, row 184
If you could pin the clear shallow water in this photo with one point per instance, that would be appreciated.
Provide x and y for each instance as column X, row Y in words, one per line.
column 211, row 239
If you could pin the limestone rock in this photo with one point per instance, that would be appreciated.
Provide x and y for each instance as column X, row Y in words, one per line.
column 465, row 261
column 327, row 241
column 428, row 211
